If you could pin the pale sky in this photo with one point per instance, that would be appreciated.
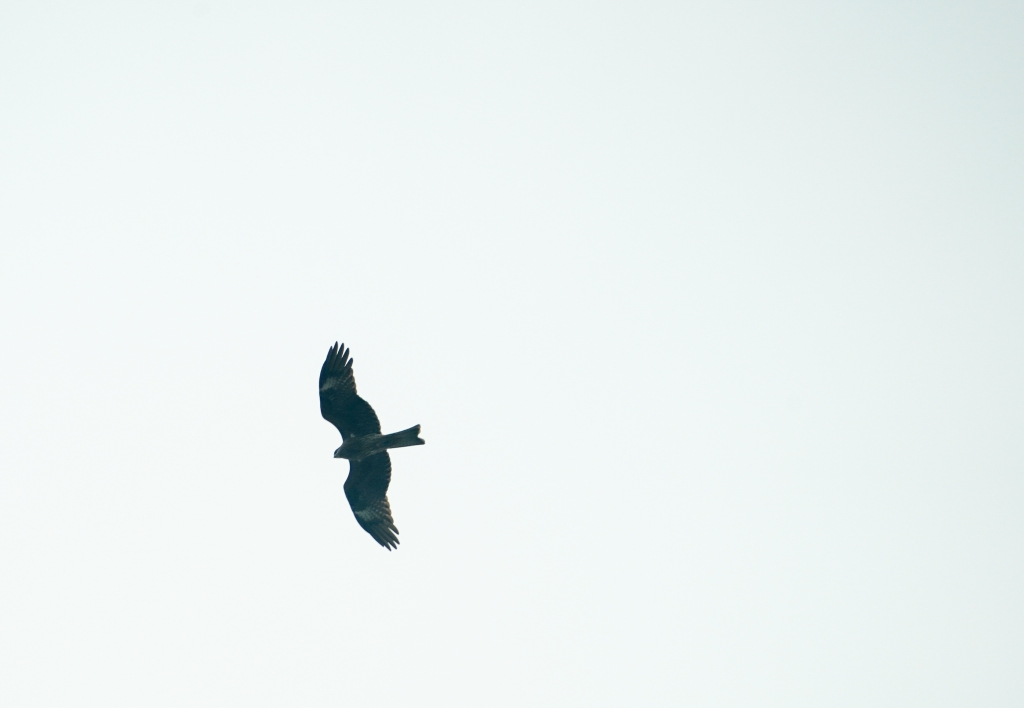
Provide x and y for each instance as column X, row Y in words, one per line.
column 712, row 315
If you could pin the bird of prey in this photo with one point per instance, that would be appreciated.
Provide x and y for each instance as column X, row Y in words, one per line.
column 362, row 445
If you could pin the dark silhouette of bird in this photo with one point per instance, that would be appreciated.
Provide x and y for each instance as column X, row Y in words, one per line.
column 363, row 446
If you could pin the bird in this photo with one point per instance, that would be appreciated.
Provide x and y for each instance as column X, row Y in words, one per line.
column 362, row 445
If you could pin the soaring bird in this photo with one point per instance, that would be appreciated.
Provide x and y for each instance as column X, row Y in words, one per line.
column 362, row 445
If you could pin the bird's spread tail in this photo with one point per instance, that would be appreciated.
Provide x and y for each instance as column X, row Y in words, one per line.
column 404, row 438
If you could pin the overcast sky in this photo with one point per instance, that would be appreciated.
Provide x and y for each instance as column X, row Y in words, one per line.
column 712, row 315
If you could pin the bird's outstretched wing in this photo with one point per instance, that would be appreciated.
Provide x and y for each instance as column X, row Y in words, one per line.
column 366, row 489
column 339, row 404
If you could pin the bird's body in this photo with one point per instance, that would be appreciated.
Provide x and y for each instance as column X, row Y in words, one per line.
column 358, row 448
column 363, row 446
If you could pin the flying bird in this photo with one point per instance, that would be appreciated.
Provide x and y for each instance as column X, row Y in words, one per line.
column 369, row 466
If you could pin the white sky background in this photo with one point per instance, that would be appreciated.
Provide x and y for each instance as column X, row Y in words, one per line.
column 712, row 317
